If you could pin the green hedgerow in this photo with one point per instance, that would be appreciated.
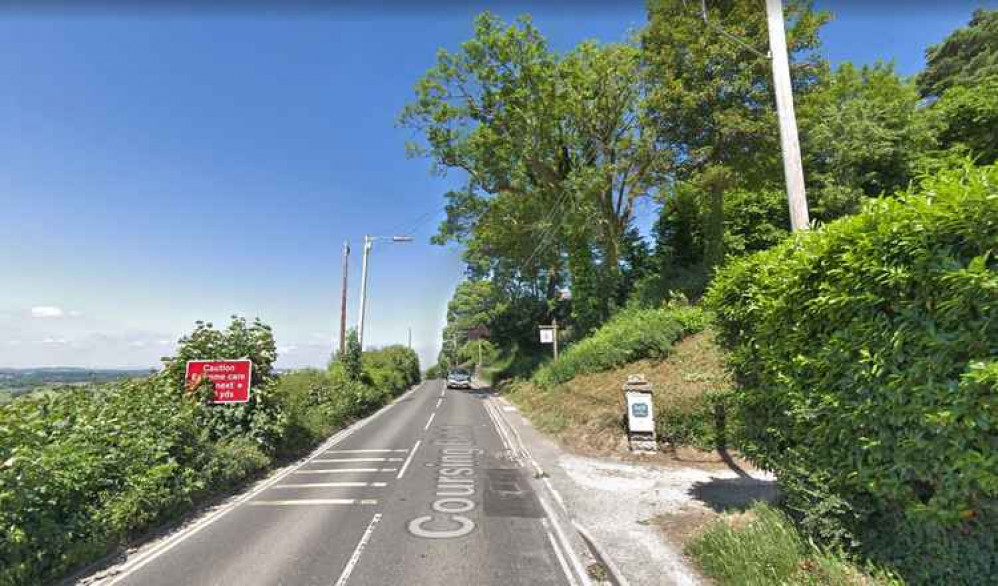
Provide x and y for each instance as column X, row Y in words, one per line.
column 867, row 355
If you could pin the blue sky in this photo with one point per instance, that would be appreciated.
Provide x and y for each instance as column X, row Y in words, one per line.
column 162, row 167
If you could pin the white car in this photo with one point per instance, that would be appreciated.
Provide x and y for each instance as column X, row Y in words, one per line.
column 459, row 379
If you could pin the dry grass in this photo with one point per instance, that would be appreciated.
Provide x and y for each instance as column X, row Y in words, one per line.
column 586, row 413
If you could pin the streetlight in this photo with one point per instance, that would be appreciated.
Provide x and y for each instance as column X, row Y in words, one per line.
column 368, row 244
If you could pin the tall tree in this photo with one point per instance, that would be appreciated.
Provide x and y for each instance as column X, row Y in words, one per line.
column 710, row 83
column 967, row 56
column 862, row 134
column 547, row 142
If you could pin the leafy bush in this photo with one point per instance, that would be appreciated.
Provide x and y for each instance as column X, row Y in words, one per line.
column 392, row 369
column 762, row 547
column 82, row 471
column 260, row 418
column 631, row 335
column 868, row 362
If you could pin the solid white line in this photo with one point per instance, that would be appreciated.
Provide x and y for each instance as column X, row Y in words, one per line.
column 409, row 459
column 429, row 421
column 308, row 502
column 558, row 553
column 333, row 485
column 142, row 559
column 352, row 563
column 562, row 538
column 372, row 451
column 338, row 460
column 344, row 470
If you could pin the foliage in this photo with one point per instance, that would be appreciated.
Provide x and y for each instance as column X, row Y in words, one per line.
column 968, row 119
column 84, row 470
column 555, row 157
column 260, row 418
column 631, row 335
column 964, row 58
column 711, row 99
column 392, row 369
column 866, row 354
column 762, row 547
column 862, row 134
column 352, row 358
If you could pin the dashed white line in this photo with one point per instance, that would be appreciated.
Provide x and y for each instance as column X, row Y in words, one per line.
column 409, row 459
column 439, row 401
column 311, row 502
column 355, row 557
column 333, row 485
column 429, row 421
column 344, row 470
column 344, row 460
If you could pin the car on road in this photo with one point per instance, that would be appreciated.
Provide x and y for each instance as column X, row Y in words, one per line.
column 459, row 378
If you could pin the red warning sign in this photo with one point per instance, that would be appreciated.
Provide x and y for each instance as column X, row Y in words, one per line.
column 230, row 377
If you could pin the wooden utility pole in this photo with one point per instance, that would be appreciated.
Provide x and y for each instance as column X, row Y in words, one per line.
column 343, row 300
column 792, row 169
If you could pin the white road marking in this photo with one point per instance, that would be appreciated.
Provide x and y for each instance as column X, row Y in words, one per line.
column 372, row 451
column 439, row 401
column 311, row 502
column 558, row 553
column 344, row 470
column 429, row 421
column 333, row 485
column 549, row 513
column 154, row 552
column 409, row 459
column 352, row 563
column 442, row 391
column 344, row 460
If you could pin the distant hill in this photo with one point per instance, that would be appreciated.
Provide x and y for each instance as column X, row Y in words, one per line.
column 19, row 381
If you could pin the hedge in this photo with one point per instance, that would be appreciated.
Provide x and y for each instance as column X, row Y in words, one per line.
column 84, row 470
column 867, row 356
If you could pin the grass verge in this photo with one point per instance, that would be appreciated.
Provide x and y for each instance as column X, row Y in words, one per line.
column 761, row 547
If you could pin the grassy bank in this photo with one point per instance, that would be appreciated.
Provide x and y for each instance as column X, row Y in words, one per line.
column 586, row 411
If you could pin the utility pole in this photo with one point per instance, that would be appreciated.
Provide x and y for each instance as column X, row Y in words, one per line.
column 792, row 169
column 410, row 338
column 368, row 244
column 343, row 300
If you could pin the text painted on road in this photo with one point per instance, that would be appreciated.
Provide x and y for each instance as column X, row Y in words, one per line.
column 456, row 486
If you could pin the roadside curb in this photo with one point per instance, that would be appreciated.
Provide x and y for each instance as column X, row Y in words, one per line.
column 595, row 550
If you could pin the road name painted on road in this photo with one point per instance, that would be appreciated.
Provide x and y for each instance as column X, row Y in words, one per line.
column 456, row 486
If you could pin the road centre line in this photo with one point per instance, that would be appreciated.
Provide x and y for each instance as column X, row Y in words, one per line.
column 409, row 459
column 344, row 460
column 311, row 502
column 429, row 421
column 439, row 401
column 333, row 485
column 343, row 470
column 355, row 557
column 144, row 558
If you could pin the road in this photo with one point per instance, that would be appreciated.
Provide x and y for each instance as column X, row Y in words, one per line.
column 427, row 491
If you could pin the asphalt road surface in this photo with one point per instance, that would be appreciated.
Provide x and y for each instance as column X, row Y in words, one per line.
column 426, row 492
